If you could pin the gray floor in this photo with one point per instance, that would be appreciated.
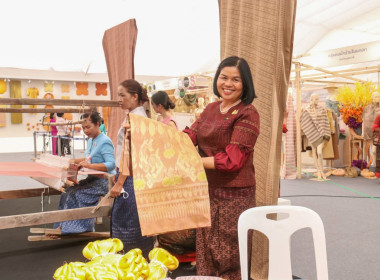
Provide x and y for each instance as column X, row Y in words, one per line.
column 350, row 220
column 351, row 225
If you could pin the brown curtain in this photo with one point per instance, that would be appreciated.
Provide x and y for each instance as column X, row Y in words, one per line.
column 262, row 32
column 15, row 92
column 119, row 44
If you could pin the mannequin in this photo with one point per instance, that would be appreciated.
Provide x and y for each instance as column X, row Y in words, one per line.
column 369, row 114
column 315, row 125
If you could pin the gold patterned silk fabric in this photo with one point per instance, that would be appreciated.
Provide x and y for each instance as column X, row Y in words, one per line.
column 169, row 179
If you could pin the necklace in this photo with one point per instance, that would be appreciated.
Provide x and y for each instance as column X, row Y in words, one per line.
column 225, row 110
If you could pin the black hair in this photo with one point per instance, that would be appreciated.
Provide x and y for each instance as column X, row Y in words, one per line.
column 161, row 97
column 52, row 115
column 245, row 72
column 94, row 117
column 60, row 115
column 134, row 87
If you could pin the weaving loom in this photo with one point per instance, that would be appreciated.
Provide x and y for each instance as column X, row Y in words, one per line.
column 55, row 173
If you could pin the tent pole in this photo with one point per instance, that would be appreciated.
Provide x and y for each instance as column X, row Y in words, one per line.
column 298, row 117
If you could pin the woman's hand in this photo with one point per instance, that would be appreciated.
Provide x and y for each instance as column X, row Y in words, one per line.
column 116, row 190
column 85, row 164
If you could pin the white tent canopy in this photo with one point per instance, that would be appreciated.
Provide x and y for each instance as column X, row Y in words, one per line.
column 175, row 37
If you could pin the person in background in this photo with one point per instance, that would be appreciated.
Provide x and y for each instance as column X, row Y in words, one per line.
column 62, row 130
column 125, row 223
column 162, row 104
column 180, row 243
column 376, row 132
column 54, row 131
column 226, row 134
column 99, row 155
column 102, row 127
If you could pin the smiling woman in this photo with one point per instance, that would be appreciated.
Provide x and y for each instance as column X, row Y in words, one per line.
column 226, row 134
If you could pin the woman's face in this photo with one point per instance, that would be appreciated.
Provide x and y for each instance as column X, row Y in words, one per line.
column 127, row 101
column 230, row 84
column 157, row 108
column 90, row 129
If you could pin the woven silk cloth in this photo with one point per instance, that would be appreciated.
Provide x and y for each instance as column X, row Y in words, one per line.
column 119, row 44
column 169, row 179
column 262, row 32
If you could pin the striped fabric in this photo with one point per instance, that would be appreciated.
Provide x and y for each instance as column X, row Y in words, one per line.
column 119, row 44
column 315, row 125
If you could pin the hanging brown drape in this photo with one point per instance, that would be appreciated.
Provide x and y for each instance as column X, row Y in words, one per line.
column 119, row 44
column 262, row 31
column 15, row 92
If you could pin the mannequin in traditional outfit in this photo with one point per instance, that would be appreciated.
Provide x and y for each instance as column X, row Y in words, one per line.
column 315, row 125
column 369, row 114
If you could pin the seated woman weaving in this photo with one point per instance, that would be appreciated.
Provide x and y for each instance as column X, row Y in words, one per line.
column 99, row 155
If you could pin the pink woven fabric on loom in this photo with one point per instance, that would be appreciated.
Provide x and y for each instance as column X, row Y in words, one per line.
column 30, row 169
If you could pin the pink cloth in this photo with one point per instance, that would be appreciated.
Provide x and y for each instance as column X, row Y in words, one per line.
column 30, row 169
column 54, row 132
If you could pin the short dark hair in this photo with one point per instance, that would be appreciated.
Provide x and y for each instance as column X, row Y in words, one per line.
column 60, row 115
column 245, row 72
column 161, row 97
column 52, row 115
column 94, row 117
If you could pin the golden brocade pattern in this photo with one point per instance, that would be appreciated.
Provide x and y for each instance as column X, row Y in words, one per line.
column 169, row 179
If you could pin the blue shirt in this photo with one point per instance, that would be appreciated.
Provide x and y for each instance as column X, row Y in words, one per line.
column 101, row 150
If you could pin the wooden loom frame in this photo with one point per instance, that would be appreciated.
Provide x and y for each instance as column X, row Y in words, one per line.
column 32, row 219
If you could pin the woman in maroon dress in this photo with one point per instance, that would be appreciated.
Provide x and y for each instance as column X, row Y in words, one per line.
column 225, row 134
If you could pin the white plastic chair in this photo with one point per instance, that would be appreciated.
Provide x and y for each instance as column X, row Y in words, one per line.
column 279, row 233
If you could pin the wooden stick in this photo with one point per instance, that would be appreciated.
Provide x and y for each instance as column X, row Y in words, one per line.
column 45, row 230
column 333, row 73
column 25, row 220
column 68, row 236
column 11, row 194
column 62, row 102
column 101, row 202
column 44, row 110
column 59, row 124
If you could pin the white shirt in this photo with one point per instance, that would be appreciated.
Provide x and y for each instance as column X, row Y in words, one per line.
column 61, row 129
column 120, row 135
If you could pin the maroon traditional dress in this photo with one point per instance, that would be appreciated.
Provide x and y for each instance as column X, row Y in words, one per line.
column 229, row 138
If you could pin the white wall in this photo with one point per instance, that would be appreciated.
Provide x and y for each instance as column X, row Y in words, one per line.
column 17, row 137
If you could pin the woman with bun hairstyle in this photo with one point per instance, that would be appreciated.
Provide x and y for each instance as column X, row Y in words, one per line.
column 125, row 223
column 162, row 104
